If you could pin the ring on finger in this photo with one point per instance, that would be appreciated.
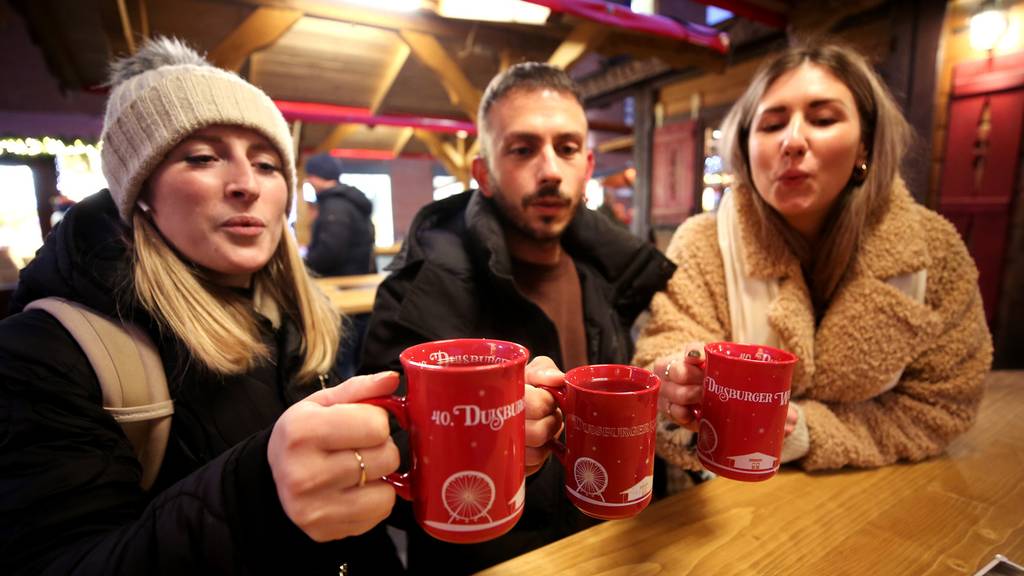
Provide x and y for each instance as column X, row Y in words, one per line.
column 362, row 468
column 668, row 368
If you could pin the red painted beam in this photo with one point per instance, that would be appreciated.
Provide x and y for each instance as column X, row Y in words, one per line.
column 622, row 17
column 333, row 114
column 369, row 154
column 750, row 12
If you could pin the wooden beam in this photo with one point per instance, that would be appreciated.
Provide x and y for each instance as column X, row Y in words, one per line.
column 585, row 37
column 643, row 48
column 53, row 42
column 460, row 90
column 303, row 218
column 473, row 152
column 439, row 149
column 404, row 135
column 713, row 89
column 390, row 74
column 126, row 26
column 297, row 139
column 504, row 59
column 807, row 19
column 333, row 140
column 616, row 144
column 143, row 19
column 605, row 126
column 260, row 29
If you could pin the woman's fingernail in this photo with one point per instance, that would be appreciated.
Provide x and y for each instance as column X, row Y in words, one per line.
column 693, row 353
column 384, row 375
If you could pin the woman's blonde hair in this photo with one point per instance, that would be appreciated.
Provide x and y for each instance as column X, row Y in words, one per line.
column 885, row 135
column 218, row 325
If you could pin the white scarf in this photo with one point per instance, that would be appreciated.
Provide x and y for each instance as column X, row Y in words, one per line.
column 750, row 298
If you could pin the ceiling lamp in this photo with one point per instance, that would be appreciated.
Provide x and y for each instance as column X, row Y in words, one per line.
column 391, row 5
column 988, row 25
column 494, row 11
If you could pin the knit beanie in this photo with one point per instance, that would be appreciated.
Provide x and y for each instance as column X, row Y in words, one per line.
column 163, row 93
column 324, row 166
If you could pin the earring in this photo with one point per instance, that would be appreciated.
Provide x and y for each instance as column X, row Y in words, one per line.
column 860, row 172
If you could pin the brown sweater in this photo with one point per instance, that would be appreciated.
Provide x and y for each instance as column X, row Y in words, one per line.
column 869, row 332
column 556, row 290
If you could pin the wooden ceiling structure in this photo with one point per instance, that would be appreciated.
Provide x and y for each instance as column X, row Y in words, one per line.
column 366, row 81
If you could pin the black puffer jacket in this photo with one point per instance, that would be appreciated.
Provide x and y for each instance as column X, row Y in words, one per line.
column 69, row 496
column 453, row 279
column 342, row 238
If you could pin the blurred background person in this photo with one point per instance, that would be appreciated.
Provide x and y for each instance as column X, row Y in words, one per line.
column 343, row 235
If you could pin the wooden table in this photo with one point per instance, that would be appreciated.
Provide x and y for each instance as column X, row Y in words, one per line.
column 351, row 294
column 947, row 515
column 353, row 281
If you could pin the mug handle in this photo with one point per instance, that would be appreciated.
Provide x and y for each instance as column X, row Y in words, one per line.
column 556, row 445
column 397, row 407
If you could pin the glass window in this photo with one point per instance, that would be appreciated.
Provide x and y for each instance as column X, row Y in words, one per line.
column 19, row 219
column 376, row 187
column 445, row 186
column 79, row 175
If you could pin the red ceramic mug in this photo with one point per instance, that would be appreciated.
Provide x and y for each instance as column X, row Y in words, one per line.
column 743, row 409
column 464, row 410
column 610, row 425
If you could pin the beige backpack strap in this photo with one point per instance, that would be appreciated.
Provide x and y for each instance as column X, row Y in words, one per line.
column 131, row 376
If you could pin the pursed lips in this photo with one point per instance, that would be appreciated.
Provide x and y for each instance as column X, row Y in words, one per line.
column 244, row 225
column 793, row 176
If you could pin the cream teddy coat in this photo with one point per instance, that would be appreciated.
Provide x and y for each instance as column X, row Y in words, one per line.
column 868, row 334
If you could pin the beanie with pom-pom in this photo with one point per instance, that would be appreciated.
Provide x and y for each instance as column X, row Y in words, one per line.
column 163, row 93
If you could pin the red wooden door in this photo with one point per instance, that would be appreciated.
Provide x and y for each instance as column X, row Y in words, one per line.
column 979, row 171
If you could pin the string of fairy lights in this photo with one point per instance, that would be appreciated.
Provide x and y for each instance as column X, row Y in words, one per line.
column 45, row 146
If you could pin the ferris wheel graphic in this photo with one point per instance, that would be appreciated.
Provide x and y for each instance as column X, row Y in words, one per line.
column 468, row 496
column 591, row 477
column 707, row 438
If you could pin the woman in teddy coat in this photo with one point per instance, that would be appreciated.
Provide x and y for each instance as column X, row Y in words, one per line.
column 820, row 250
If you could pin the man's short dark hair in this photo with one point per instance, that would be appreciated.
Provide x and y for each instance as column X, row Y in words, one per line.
column 523, row 76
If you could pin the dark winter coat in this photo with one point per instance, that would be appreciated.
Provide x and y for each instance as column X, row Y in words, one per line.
column 453, row 279
column 70, row 502
column 342, row 240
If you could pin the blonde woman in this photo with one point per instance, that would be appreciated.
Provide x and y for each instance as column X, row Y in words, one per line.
column 820, row 250
column 190, row 243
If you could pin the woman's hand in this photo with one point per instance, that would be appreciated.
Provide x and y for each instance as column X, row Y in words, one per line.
column 682, row 378
column 543, row 420
column 792, row 418
column 315, row 452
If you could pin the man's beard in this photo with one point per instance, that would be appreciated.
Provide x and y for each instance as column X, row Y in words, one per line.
column 518, row 219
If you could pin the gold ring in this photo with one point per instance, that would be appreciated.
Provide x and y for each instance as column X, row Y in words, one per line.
column 362, row 468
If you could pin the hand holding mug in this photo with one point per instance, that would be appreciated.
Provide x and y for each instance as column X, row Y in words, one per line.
column 608, row 454
column 465, row 413
column 543, row 420
column 744, row 409
column 327, row 456
column 682, row 378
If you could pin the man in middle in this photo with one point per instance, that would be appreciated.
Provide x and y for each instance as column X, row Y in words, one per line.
column 520, row 259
